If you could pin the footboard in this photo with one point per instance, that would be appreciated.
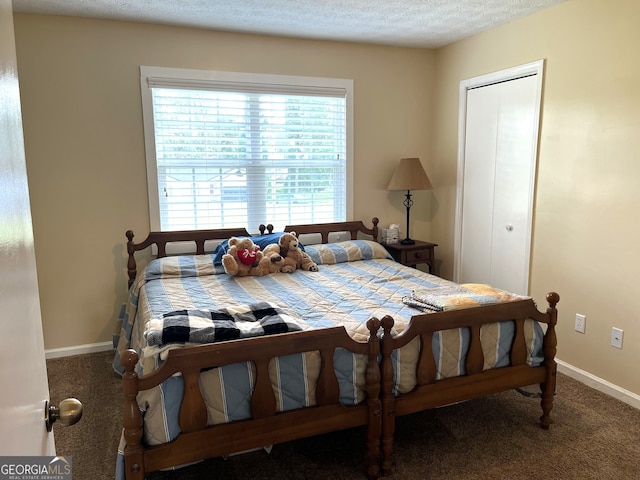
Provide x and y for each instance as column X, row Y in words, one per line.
column 199, row 441
column 431, row 392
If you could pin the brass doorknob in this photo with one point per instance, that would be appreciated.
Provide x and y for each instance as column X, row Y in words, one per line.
column 69, row 412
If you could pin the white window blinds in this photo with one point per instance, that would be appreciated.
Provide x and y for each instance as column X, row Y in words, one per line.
column 239, row 153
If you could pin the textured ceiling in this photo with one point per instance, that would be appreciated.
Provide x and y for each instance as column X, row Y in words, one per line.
column 416, row 23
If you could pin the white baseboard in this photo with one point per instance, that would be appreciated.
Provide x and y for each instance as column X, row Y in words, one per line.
column 78, row 350
column 599, row 384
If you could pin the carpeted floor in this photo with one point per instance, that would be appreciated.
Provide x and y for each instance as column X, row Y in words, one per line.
column 496, row 437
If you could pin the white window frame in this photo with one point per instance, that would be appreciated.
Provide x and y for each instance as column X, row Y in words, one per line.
column 155, row 76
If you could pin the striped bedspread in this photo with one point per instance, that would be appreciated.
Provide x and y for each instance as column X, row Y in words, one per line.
column 356, row 280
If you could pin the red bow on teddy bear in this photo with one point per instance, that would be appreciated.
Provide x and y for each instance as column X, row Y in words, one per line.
column 247, row 256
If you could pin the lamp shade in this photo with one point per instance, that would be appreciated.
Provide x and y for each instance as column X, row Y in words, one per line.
column 409, row 175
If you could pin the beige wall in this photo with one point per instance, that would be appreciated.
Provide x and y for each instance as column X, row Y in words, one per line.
column 85, row 152
column 586, row 230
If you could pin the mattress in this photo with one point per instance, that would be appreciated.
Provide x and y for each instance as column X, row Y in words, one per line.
column 356, row 280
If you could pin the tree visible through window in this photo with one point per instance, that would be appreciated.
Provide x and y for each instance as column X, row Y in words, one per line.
column 232, row 154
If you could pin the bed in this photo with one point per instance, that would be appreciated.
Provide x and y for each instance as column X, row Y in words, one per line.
column 351, row 349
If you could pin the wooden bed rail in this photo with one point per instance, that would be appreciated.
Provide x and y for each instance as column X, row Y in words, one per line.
column 431, row 392
column 197, row 441
column 324, row 229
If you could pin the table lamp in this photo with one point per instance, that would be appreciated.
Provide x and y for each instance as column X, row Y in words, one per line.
column 409, row 175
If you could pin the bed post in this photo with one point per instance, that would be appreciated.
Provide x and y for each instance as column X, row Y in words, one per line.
column 375, row 221
column 374, row 429
column 132, row 268
column 550, row 342
column 388, row 418
column 132, row 419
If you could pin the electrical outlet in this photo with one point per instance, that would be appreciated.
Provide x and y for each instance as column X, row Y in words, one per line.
column 616, row 337
column 581, row 323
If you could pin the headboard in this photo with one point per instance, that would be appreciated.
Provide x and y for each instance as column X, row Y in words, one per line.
column 199, row 237
column 161, row 239
column 324, row 229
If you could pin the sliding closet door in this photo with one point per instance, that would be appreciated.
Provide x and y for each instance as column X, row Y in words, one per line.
column 497, row 175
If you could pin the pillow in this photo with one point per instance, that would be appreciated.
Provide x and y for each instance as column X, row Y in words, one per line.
column 261, row 240
column 347, row 251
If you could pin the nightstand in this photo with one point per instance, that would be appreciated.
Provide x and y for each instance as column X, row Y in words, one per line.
column 412, row 255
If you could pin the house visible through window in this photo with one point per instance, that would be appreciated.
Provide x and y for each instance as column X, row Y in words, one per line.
column 236, row 150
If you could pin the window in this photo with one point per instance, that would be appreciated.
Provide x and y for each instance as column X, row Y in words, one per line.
column 236, row 150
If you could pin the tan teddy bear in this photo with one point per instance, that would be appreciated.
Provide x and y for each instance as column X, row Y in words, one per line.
column 272, row 262
column 294, row 257
column 242, row 258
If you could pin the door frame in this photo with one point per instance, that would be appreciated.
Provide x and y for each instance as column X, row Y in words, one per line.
column 529, row 69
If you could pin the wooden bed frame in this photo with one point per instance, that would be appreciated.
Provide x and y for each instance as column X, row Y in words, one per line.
column 199, row 441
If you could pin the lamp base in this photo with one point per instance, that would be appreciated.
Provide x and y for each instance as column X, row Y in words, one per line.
column 407, row 203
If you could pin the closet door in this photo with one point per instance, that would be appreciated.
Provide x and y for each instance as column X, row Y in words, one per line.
column 497, row 177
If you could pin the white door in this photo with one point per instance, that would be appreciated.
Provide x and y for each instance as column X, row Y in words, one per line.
column 496, row 177
column 23, row 375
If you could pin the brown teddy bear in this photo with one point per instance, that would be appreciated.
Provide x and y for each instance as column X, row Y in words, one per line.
column 272, row 262
column 245, row 258
column 294, row 258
